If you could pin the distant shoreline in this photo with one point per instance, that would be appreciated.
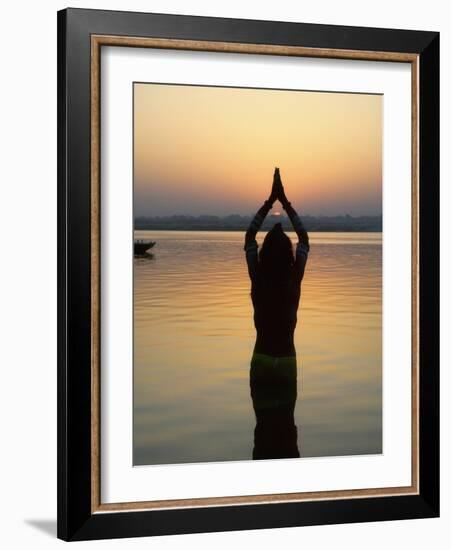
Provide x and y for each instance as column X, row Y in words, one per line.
column 233, row 229
column 338, row 224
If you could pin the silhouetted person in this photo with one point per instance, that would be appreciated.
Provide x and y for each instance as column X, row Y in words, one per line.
column 276, row 275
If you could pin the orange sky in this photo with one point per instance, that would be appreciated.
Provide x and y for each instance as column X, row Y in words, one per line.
column 207, row 150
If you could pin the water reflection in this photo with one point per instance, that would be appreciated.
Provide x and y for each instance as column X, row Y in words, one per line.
column 273, row 383
column 145, row 257
column 194, row 337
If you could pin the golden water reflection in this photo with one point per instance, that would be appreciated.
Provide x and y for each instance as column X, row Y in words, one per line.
column 194, row 337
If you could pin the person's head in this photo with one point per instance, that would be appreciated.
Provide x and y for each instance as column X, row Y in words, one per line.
column 276, row 254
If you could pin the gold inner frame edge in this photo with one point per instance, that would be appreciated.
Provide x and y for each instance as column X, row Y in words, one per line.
column 97, row 41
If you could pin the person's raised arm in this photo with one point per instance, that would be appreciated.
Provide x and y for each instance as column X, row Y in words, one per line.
column 303, row 246
column 291, row 212
column 260, row 216
column 257, row 222
column 250, row 243
column 298, row 226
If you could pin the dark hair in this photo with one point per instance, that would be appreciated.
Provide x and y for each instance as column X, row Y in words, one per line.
column 276, row 254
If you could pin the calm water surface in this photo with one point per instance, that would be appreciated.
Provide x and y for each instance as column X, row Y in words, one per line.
column 194, row 337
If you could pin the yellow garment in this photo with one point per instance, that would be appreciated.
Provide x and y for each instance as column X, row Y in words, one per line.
column 273, row 381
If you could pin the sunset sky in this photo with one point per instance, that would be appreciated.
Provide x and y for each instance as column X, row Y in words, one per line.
column 206, row 150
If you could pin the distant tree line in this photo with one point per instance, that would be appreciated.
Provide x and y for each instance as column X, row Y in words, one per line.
column 236, row 222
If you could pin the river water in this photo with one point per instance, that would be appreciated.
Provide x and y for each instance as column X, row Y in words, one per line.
column 194, row 337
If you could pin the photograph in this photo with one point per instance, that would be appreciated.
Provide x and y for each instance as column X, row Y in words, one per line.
column 257, row 273
column 248, row 272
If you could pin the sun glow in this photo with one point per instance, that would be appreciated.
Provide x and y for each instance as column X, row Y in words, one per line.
column 212, row 150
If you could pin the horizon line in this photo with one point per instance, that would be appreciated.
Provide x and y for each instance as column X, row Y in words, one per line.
column 234, row 214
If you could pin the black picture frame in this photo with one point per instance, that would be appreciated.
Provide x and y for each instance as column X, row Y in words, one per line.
column 76, row 521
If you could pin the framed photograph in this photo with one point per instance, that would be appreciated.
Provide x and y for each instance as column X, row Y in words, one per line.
column 248, row 274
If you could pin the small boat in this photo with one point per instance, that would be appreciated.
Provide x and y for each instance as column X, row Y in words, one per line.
column 140, row 247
